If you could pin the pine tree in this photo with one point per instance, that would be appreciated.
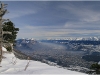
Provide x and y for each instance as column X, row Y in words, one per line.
column 96, row 68
column 9, row 26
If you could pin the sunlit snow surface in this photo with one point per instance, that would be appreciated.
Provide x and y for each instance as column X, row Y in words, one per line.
column 35, row 67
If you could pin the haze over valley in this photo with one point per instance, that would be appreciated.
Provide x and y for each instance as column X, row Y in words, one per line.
column 65, row 53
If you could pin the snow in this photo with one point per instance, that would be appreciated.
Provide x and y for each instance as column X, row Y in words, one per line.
column 99, row 62
column 13, row 65
column 4, row 49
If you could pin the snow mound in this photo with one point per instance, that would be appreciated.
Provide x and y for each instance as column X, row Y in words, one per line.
column 13, row 65
column 4, row 49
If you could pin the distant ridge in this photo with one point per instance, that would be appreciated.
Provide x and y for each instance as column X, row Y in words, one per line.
column 80, row 38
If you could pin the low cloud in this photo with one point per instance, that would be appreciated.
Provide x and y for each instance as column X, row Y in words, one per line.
column 40, row 32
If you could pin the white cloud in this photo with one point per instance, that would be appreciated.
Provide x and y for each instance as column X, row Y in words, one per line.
column 19, row 13
column 82, row 13
column 41, row 32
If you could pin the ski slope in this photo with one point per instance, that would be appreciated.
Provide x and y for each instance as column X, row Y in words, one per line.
column 12, row 65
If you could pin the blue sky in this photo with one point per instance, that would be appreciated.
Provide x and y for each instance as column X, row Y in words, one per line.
column 55, row 19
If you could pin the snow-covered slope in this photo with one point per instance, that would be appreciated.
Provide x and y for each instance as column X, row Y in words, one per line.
column 12, row 65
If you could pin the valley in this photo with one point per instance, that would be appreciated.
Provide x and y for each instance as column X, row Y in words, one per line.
column 66, row 53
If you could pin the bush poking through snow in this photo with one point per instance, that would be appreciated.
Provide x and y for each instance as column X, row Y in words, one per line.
column 28, row 59
column 9, row 49
column 14, row 61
